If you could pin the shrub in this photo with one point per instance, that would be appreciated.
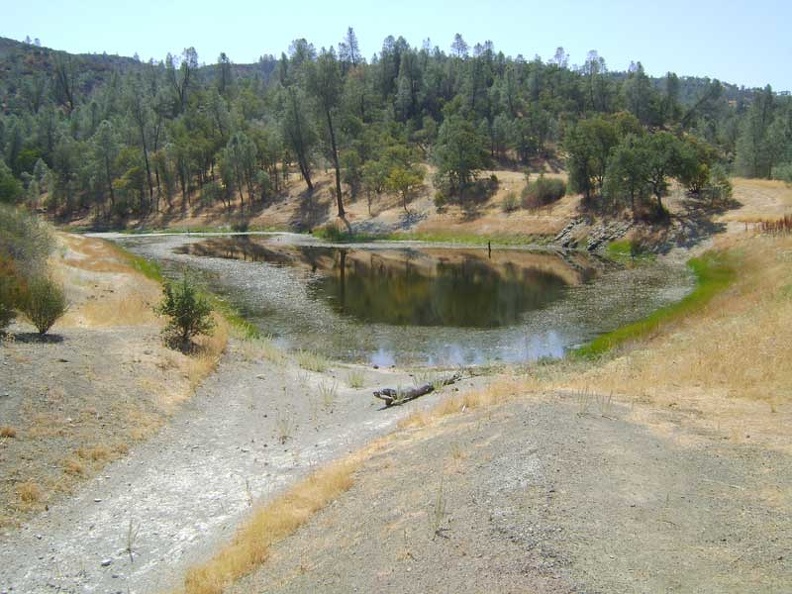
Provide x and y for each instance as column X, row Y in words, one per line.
column 9, row 291
column 43, row 302
column 543, row 191
column 719, row 187
column 190, row 313
column 510, row 202
column 440, row 200
column 24, row 240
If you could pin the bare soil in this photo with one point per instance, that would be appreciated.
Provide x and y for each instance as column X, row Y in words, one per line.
column 119, row 475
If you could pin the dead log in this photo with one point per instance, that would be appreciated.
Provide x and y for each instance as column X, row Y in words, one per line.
column 395, row 397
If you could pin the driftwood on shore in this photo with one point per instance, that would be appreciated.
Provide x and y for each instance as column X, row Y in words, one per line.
column 398, row 396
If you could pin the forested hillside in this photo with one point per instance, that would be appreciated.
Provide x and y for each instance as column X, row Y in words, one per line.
column 114, row 138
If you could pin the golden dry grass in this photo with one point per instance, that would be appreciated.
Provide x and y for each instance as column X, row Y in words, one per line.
column 210, row 349
column 730, row 363
column 760, row 199
column 7, row 432
column 28, row 492
column 270, row 524
column 495, row 393
column 73, row 466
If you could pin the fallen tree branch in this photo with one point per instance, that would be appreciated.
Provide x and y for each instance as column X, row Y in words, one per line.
column 399, row 396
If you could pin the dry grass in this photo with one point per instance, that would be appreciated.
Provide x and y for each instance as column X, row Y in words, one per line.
column 73, row 466
column 270, row 524
column 759, row 200
column 126, row 310
column 777, row 226
column 208, row 353
column 311, row 361
column 730, row 362
column 495, row 393
column 253, row 349
column 7, row 432
column 29, row 493
column 97, row 453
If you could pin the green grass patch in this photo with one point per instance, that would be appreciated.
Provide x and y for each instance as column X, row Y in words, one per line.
column 714, row 273
column 626, row 251
column 242, row 328
column 149, row 269
column 334, row 234
column 472, row 239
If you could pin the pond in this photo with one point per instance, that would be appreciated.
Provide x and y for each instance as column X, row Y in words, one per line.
column 392, row 304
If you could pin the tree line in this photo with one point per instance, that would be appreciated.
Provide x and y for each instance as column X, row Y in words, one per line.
column 118, row 138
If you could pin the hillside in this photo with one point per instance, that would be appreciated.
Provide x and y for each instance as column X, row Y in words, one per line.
column 112, row 142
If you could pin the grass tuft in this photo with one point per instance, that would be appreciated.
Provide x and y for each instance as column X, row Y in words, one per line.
column 312, row 361
column 355, row 378
column 29, row 492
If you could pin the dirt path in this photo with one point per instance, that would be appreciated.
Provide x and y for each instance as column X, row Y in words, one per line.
column 252, row 429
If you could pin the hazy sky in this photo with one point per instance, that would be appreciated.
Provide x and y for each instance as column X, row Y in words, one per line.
column 737, row 41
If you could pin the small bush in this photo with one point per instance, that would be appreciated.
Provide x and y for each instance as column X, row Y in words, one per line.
column 43, row 303
column 542, row 192
column 29, row 492
column 510, row 202
column 440, row 200
column 190, row 313
column 719, row 188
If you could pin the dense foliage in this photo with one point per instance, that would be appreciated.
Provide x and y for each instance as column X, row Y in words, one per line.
column 119, row 138
column 25, row 284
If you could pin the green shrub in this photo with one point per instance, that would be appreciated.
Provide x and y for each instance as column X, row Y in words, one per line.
column 190, row 313
column 43, row 302
column 543, row 191
column 9, row 291
column 440, row 200
column 510, row 202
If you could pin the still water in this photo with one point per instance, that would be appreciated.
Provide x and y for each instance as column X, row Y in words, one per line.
column 424, row 305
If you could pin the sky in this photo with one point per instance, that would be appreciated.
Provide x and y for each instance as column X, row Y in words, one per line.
column 736, row 41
